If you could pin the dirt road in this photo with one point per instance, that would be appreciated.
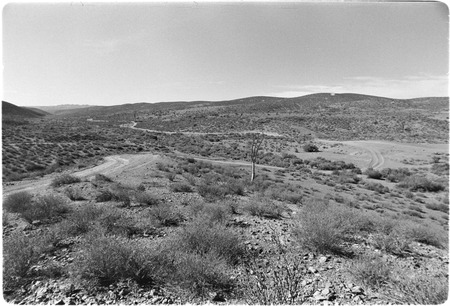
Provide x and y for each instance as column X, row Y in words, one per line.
column 112, row 164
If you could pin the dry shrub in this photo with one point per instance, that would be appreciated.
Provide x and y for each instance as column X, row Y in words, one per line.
column 277, row 283
column 108, row 259
column 263, row 207
column 46, row 207
column 166, row 215
column 324, row 227
column 180, row 187
column 146, row 198
column 20, row 253
column 74, row 193
column 371, row 270
column 419, row 289
column 211, row 238
column 65, row 179
column 18, row 202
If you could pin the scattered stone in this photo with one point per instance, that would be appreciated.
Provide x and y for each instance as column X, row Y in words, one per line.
column 357, row 290
column 312, row 270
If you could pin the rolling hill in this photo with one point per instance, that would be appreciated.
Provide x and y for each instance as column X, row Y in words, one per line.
column 10, row 110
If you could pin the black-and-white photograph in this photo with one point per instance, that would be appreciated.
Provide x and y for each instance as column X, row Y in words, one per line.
column 226, row 153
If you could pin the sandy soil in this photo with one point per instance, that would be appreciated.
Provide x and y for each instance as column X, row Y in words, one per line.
column 379, row 154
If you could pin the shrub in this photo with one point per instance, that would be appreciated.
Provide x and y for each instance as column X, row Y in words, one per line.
column 200, row 273
column 275, row 284
column 20, row 253
column 18, row 202
column 171, row 176
column 420, row 183
column 374, row 174
column 217, row 212
column 180, row 187
column 212, row 238
column 419, row 289
column 266, row 208
column 104, row 196
column 371, row 270
column 64, row 180
column 146, row 198
column 82, row 220
column 110, row 259
column 439, row 207
column 395, row 175
column 422, row 234
column 190, row 179
column 377, row 187
column 102, row 178
column 309, row 147
column 394, row 242
column 46, row 207
column 166, row 215
column 324, row 227
column 74, row 193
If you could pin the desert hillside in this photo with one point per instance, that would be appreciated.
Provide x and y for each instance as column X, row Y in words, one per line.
column 155, row 203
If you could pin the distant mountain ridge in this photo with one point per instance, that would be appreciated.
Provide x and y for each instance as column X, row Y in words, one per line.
column 255, row 103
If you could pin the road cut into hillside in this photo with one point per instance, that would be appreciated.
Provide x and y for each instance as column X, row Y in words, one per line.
column 112, row 165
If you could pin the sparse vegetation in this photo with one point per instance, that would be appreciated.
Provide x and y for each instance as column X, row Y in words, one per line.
column 65, row 179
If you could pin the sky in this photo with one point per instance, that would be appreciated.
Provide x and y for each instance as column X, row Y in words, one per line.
column 117, row 53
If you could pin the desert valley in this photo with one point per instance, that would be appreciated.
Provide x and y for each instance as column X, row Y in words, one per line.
column 155, row 203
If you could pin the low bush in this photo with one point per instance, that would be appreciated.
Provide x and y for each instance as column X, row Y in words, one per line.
column 324, row 228
column 371, row 270
column 20, row 253
column 82, row 220
column 102, row 178
column 146, row 198
column 190, row 179
column 64, row 179
column 180, row 187
column 275, row 284
column 263, row 207
column 209, row 212
column 395, row 175
column 46, row 207
column 18, row 202
column 377, row 187
column 104, row 195
column 108, row 259
column 199, row 273
column 212, row 238
column 74, row 193
column 420, row 183
column 436, row 206
column 171, row 176
column 419, row 289
column 166, row 215
column 309, row 147
column 373, row 174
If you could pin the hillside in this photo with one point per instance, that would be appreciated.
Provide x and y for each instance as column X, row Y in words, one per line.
column 11, row 110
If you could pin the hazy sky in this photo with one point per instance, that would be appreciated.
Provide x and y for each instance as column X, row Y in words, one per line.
column 153, row 52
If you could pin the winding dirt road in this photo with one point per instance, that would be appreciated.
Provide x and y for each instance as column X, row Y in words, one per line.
column 377, row 158
column 112, row 164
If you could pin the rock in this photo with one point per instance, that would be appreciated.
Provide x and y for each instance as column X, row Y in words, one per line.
column 218, row 297
column 36, row 223
column 357, row 290
column 319, row 297
column 323, row 259
column 60, row 302
column 312, row 270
